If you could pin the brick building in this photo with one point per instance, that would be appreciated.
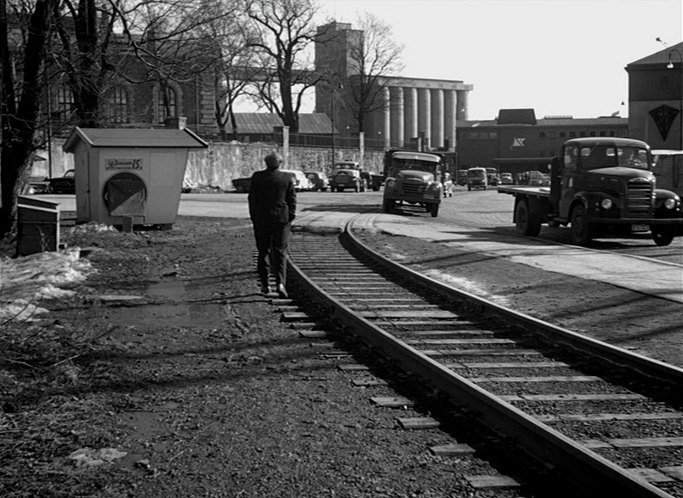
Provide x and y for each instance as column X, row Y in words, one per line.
column 517, row 141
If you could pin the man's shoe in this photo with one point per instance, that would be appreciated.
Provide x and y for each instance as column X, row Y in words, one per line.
column 282, row 292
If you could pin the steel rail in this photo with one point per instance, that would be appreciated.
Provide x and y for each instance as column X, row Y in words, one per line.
column 570, row 460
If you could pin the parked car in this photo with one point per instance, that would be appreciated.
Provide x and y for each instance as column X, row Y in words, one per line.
column 506, row 179
column 64, row 184
column 538, row 179
column 301, row 181
column 37, row 185
column 242, row 185
column 318, row 179
column 342, row 179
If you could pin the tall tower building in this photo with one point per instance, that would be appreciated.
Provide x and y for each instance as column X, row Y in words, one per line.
column 413, row 110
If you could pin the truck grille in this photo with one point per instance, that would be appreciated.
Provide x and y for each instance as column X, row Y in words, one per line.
column 639, row 199
column 412, row 188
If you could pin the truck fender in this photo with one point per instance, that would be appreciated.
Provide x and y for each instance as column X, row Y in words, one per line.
column 661, row 196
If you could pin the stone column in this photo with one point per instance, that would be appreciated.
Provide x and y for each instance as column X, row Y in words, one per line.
column 397, row 109
column 386, row 131
column 450, row 106
column 410, row 97
column 437, row 118
column 461, row 110
column 424, row 113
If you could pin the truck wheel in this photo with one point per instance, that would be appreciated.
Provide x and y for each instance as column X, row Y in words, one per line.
column 526, row 222
column 582, row 233
column 389, row 206
column 434, row 210
column 662, row 235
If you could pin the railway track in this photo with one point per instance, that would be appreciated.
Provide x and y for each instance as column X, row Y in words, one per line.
column 603, row 419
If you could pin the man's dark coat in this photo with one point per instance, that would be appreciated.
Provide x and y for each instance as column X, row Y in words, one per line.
column 272, row 199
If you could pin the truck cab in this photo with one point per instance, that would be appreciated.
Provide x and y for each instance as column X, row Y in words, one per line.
column 414, row 178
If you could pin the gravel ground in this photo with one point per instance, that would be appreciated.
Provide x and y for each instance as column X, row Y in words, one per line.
column 189, row 383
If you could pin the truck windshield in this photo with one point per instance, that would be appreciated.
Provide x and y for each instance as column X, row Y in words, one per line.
column 402, row 164
column 476, row 173
column 604, row 156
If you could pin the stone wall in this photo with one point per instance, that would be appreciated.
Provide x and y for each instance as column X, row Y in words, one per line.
column 220, row 163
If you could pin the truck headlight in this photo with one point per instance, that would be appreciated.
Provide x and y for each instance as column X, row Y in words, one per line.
column 670, row 203
column 390, row 183
column 606, row 204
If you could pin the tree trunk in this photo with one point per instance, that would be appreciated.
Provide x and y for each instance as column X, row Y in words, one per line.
column 19, row 127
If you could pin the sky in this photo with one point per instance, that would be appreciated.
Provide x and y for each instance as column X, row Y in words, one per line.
column 559, row 57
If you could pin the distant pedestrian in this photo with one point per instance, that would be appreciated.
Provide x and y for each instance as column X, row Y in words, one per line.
column 272, row 208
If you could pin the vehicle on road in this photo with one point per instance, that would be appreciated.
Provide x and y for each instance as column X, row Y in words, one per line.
column 301, row 181
column 506, row 179
column 492, row 177
column 346, row 178
column 318, row 179
column 242, row 185
column 476, row 178
column 461, row 177
column 414, row 178
column 598, row 185
column 64, row 184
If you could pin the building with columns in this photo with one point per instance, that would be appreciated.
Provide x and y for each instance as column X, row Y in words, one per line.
column 413, row 113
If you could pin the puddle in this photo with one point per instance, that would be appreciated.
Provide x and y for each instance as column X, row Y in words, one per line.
column 177, row 311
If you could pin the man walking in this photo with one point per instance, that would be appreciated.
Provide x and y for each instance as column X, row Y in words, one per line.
column 272, row 207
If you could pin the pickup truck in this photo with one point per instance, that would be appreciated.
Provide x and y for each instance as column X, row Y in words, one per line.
column 598, row 185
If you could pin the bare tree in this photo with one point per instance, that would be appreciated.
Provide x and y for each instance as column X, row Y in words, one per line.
column 20, row 100
column 373, row 56
column 162, row 36
column 287, row 33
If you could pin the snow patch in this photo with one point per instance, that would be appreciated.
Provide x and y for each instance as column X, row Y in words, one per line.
column 25, row 280
column 466, row 285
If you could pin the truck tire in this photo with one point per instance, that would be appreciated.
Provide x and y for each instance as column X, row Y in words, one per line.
column 389, row 206
column 662, row 235
column 526, row 222
column 434, row 210
column 582, row 232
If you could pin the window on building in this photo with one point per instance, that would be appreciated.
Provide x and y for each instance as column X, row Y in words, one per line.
column 168, row 103
column 493, row 135
column 563, row 134
column 541, row 134
column 603, row 133
column 612, row 133
column 582, row 133
column 64, row 104
column 592, row 133
column 117, row 105
column 572, row 134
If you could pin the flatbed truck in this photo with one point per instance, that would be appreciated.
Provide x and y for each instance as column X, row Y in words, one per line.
column 598, row 185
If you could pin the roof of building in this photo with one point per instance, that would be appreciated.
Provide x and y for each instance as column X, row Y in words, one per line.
column 672, row 54
column 132, row 137
column 516, row 116
column 564, row 121
column 265, row 123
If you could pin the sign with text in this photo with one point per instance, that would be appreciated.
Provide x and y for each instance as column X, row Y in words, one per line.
column 123, row 164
